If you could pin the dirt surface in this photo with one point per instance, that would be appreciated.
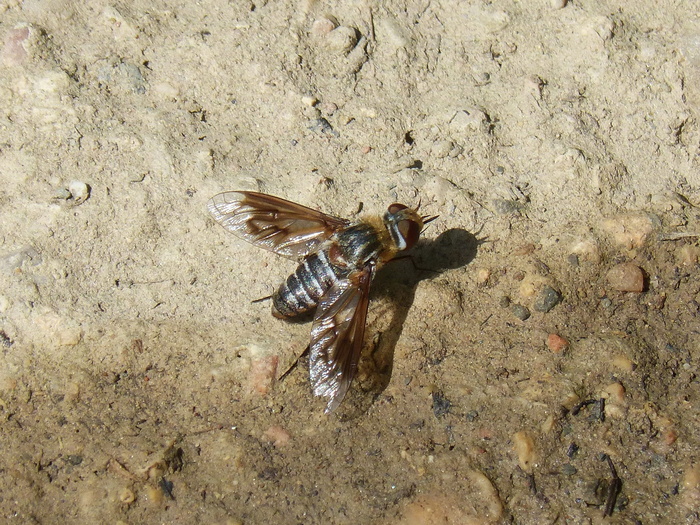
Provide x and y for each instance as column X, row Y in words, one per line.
column 549, row 326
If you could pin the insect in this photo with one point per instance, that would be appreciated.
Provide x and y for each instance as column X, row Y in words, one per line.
column 337, row 259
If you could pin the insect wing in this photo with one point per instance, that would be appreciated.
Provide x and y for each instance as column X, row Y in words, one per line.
column 337, row 335
column 275, row 224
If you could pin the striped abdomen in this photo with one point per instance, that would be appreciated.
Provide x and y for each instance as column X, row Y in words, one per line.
column 309, row 282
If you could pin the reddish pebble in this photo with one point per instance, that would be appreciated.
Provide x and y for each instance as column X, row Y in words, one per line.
column 557, row 343
column 277, row 435
column 669, row 436
column 323, row 26
column 626, row 277
column 262, row 374
column 14, row 52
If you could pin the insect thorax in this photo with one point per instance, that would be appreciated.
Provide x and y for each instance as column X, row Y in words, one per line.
column 365, row 241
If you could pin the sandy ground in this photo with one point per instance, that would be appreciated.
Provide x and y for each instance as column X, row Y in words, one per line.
column 558, row 143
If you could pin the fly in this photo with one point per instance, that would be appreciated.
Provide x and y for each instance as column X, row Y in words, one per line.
column 337, row 259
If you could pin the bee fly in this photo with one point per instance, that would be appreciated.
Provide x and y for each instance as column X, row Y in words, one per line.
column 337, row 262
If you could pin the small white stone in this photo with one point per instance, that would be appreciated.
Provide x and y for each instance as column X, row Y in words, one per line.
column 308, row 100
column 342, row 39
column 79, row 191
column 469, row 119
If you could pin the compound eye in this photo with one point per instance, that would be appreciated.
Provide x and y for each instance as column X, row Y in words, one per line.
column 396, row 207
column 410, row 231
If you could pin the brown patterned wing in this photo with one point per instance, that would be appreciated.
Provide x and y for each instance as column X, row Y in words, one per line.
column 337, row 335
column 275, row 224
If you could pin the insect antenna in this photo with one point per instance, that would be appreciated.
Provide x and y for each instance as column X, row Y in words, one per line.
column 427, row 219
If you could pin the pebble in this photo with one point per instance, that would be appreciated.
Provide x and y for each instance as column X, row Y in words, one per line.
column 79, row 191
column 626, row 277
column 520, row 311
column 62, row 194
column 548, row 425
column 558, row 4
column 615, row 392
column 547, row 299
column 154, row 495
column 263, row 371
column 504, row 301
column 487, row 494
column 506, row 207
column 328, row 108
column 127, row 496
column 323, row 26
column 623, row 363
column 342, row 39
column 277, row 435
column 357, row 57
column 586, row 250
column 478, row 501
column 669, row 436
column 471, row 119
column 524, row 447
column 14, row 51
column 482, row 276
column 321, row 125
column 67, row 335
column 557, row 343
column 568, row 469
column 308, row 100
column 441, row 405
column 629, row 231
column 690, row 486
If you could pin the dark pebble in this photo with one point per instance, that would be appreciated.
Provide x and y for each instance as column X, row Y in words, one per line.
column 441, row 405
column 321, row 125
column 547, row 299
column 568, row 469
column 504, row 301
column 520, row 311
column 74, row 459
column 506, row 207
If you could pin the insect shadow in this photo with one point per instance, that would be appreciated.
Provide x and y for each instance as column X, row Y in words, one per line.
column 392, row 295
